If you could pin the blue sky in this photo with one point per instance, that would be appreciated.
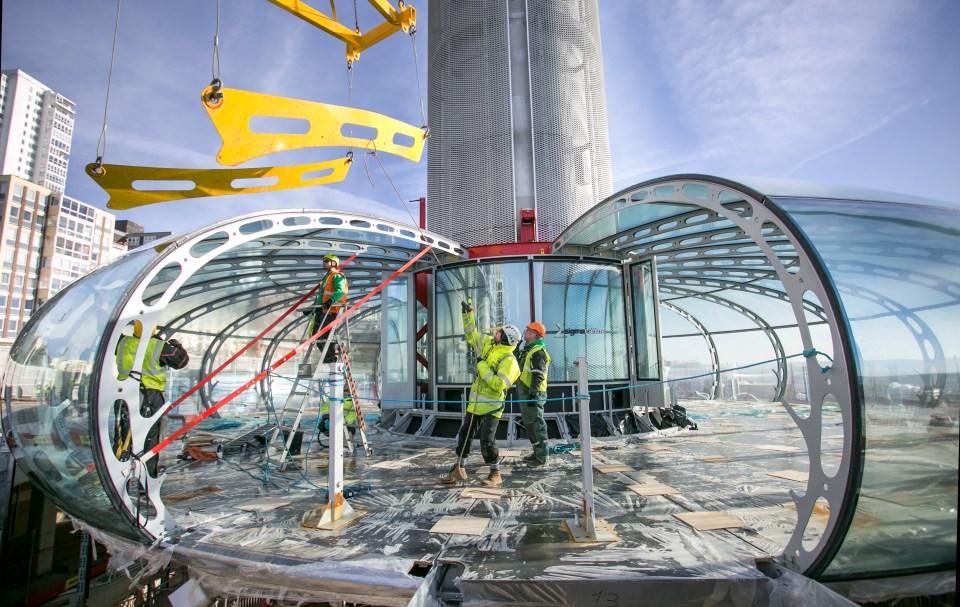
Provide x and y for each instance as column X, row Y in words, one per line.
column 860, row 93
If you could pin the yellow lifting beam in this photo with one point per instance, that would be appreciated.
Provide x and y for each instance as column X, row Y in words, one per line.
column 231, row 111
column 356, row 42
column 135, row 186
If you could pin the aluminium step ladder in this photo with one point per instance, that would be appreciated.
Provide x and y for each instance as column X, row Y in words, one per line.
column 352, row 388
column 307, row 371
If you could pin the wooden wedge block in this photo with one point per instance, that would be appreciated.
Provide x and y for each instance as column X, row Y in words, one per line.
column 790, row 475
column 482, row 493
column 612, row 468
column 653, row 489
column 707, row 521
column 461, row 525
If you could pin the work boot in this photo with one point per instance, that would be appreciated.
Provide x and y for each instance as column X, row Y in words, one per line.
column 533, row 460
column 493, row 479
column 456, row 474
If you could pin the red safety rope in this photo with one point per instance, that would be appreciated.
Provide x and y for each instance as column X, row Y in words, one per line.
column 213, row 373
column 146, row 456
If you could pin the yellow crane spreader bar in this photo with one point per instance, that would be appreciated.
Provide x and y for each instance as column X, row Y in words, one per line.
column 135, row 186
column 404, row 19
column 231, row 111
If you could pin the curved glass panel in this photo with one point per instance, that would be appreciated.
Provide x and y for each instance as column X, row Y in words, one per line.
column 897, row 270
column 582, row 307
column 590, row 322
column 49, row 376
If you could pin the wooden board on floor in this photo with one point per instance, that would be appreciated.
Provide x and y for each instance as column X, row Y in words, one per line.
column 657, row 447
column 781, row 448
column 791, row 475
column 461, row 525
column 612, row 468
column 510, row 452
column 392, row 465
column 186, row 495
column 715, row 459
column 482, row 493
column 707, row 521
column 264, row 504
column 653, row 489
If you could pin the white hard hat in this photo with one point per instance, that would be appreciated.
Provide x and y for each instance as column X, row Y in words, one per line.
column 512, row 334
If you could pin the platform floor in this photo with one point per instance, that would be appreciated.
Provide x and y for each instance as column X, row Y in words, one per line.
column 742, row 462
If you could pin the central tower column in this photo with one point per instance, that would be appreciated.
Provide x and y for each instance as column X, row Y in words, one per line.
column 517, row 117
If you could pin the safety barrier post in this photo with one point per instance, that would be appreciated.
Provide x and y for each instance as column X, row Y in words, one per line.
column 587, row 528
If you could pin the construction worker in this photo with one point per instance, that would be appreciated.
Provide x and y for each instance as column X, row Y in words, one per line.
column 497, row 370
column 328, row 304
column 349, row 414
column 532, row 391
column 152, row 377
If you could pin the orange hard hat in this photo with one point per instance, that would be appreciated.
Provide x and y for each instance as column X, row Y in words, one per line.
column 538, row 328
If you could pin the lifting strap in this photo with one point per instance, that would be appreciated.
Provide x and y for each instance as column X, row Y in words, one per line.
column 145, row 456
column 239, row 352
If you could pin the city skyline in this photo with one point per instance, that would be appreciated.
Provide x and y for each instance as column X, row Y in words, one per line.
column 859, row 94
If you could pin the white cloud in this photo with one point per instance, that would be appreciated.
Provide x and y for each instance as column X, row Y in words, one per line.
column 765, row 83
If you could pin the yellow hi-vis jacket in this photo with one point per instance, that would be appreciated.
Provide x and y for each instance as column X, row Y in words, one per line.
column 349, row 411
column 532, row 363
column 152, row 375
column 497, row 370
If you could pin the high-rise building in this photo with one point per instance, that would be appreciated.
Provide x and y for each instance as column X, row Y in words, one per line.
column 21, row 245
column 518, row 117
column 78, row 238
column 36, row 128
column 135, row 240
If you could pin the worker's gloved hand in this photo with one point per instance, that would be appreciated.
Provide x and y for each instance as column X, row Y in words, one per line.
column 465, row 307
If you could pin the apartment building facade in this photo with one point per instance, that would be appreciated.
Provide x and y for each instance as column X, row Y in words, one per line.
column 48, row 241
column 36, row 130
column 78, row 238
column 24, row 207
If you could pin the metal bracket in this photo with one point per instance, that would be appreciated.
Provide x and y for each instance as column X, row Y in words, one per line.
column 327, row 125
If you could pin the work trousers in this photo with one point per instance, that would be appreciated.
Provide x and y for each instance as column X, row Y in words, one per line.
column 533, row 422
column 487, row 425
column 321, row 320
column 151, row 401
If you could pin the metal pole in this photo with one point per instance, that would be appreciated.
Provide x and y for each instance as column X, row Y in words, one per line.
column 335, row 465
column 586, row 455
column 83, row 573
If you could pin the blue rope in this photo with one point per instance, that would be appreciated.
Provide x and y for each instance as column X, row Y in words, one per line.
column 806, row 353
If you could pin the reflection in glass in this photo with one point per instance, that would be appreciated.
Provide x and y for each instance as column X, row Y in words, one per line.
column 899, row 284
column 397, row 332
column 644, row 320
column 47, row 409
column 581, row 304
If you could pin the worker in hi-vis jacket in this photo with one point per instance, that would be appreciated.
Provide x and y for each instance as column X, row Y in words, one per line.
column 497, row 370
column 330, row 301
column 532, row 391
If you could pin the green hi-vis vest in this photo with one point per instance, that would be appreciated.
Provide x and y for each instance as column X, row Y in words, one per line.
column 495, row 373
column 526, row 374
column 152, row 376
column 349, row 412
